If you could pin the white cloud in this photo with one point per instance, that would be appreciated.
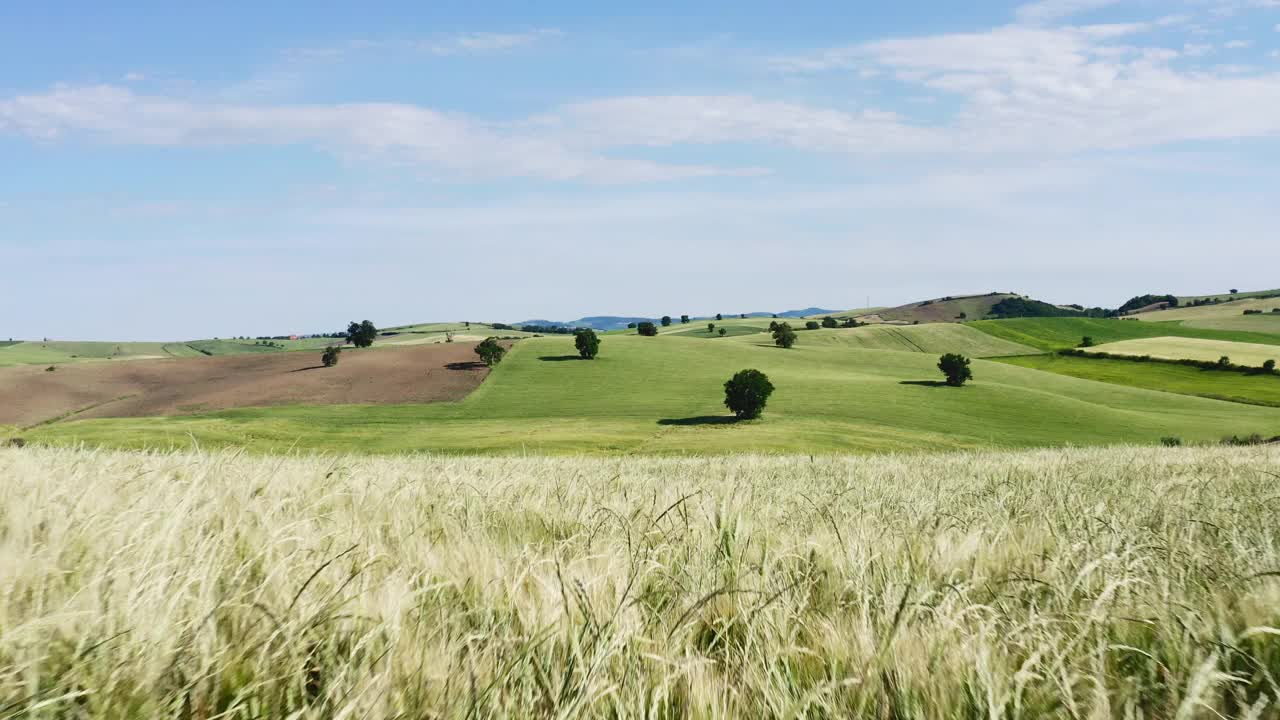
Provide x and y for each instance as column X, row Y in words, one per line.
column 401, row 132
column 134, row 77
column 1237, row 44
column 1046, row 11
column 484, row 42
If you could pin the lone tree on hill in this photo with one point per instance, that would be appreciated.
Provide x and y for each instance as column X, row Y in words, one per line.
column 718, row 317
column 647, row 329
column 1086, row 341
column 666, row 320
column 722, row 332
column 684, row 319
column 330, row 356
column 587, row 343
column 784, row 336
column 361, row 334
column 956, row 368
column 829, row 322
column 711, row 327
column 490, row 351
column 746, row 393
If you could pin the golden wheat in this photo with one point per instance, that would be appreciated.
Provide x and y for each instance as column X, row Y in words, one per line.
column 1128, row 582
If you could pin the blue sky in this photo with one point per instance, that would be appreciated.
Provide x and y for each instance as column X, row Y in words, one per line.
column 169, row 172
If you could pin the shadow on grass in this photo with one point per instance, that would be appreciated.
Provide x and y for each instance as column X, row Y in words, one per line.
column 560, row 358
column 701, row 420
column 925, row 383
column 304, row 369
column 469, row 365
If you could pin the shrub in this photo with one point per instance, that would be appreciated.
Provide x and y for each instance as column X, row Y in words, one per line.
column 647, row 329
column 1254, row 439
column 490, row 351
column 666, row 321
column 51, row 368
column 631, row 326
column 784, row 336
column 1224, row 362
column 829, row 322
column 747, row 392
column 1269, row 366
column 330, row 356
column 1252, row 312
column 361, row 334
column 587, row 343
column 850, row 323
column 711, row 327
column 1171, row 441
column 956, row 368
column 722, row 332
column 812, row 325
column 1086, row 341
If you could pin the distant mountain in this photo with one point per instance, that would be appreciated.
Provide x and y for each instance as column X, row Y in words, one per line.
column 617, row 322
column 806, row 312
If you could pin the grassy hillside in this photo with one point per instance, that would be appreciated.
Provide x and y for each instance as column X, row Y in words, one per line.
column 937, row 310
column 1211, row 312
column 55, row 351
column 665, row 395
column 1176, row 348
column 1114, row 583
column 1058, row 333
column 1233, row 386
column 1268, row 323
column 1183, row 299
column 935, row 338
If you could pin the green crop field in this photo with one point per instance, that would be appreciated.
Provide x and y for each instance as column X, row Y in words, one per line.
column 57, row 351
column 1182, row 348
column 1267, row 324
column 732, row 328
column 1211, row 312
column 1220, row 385
column 934, row 338
column 664, row 395
column 1059, row 333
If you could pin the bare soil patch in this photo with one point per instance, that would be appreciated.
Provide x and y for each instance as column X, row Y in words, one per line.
column 31, row 395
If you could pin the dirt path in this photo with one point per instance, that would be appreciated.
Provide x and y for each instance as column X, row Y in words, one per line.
column 30, row 395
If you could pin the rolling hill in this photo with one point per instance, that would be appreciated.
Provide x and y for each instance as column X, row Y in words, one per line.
column 664, row 394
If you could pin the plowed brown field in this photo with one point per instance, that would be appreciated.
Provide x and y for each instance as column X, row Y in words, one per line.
column 31, row 395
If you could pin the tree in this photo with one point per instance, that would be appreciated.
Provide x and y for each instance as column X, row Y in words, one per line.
column 963, row 316
column 773, row 325
column 722, row 332
column 631, row 326
column 587, row 343
column 956, row 368
column 647, row 329
column 1086, row 341
column 1269, row 365
column 711, row 327
column 666, row 321
column 1234, row 291
column 829, row 322
column 684, row 319
column 490, row 351
column 361, row 334
column 747, row 392
column 742, row 316
column 330, row 356
column 784, row 336
column 812, row 325
column 1224, row 361
column 718, row 317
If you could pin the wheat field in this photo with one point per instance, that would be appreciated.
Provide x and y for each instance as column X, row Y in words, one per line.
column 1126, row 582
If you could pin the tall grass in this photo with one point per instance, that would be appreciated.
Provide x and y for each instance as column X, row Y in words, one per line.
column 1079, row 583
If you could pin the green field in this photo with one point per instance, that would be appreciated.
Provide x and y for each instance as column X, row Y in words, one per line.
column 1220, row 385
column 732, row 328
column 1267, row 324
column 1228, row 310
column 1185, row 299
column 1059, row 333
column 934, row 338
column 1181, row 348
column 55, row 351
column 664, row 395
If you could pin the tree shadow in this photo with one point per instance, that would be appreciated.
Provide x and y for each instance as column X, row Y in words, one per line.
column 560, row 358
column 925, row 383
column 468, row 365
column 304, row 369
column 702, row 420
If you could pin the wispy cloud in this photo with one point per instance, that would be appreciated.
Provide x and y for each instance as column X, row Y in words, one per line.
column 1046, row 11
column 484, row 42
